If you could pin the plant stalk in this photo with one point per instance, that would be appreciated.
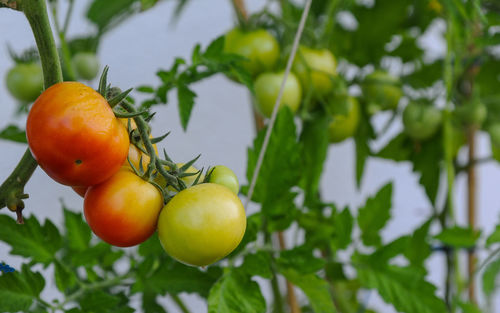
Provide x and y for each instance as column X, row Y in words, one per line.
column 12, row 189
column 182, row 306
column 471, row 211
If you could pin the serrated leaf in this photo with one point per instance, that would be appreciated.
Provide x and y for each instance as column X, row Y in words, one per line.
column 374, row 215
column 105, row 14
column 490, row 276
column 459, row 237
column 344, row 223
column 314, row 138
column 258, row 264
column 13, row 133
column 77, row 231
column 236, row 292
column 418, row 248
column 426, row 161
column 468, row 307
column 398, row 149
column 18, row 289
column 186, row 103
column 315, row 288
column 64, row 277
column 31, row 240
column 494, row 237
column 149, row 303
column 301, row 260
column 403, row 287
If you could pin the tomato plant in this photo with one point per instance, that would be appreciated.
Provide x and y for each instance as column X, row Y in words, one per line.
column 315, row 69
column 74, row 135
column 202, row 224
column 259, row 47
column 421, row 121
column 267, row 88
column 123, row 210
column 86, row 65
column 25, row 81
column 344, row 126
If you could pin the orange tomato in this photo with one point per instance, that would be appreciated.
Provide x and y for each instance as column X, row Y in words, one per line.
column 74, row 135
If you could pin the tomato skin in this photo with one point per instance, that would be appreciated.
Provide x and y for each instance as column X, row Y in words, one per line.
column 421, row 121
column 315, row 69
column 25, row 81
column 267, row 87
column 345, row 126
column 382, row 91
column 123, row 211
column 86, row 65
column 202, row 224
column 258, row 46
column 223, row 175
column 74, row 135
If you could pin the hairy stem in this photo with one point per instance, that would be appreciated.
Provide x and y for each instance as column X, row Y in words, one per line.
column 12, row 190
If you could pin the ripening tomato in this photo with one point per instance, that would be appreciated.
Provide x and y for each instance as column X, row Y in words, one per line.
column 344, row 126
column 267, row 87
column 123, row 210
column 259, row 47
column 315, row 69
column 224, row 176
column 382, row 91
column 202, row 224
column 421, row 121
column 25, row 81
column 74, row 135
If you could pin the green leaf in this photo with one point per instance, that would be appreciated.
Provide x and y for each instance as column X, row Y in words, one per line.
column 374, row 215
column 468, row 307
column 425, row 76
column 301, row 260
column 236, row 292
column 427, row 161
column 490, row 276
column 343, row 229
column 361, row 138
column 31, row 240
column 148, row 4
column 400, row 148
column 494, row 237
column 459, row 237
column 18, row 289
column 64, row 277
column 418, row 248
column 13, row 133
column 77, row 231
column 186, row 103
column 258, row 264
column 105, row 14
column 98, row 301
column 254, row 225
column 403, row 287
column 315, row 288
column 314, row 138
column 149, row 303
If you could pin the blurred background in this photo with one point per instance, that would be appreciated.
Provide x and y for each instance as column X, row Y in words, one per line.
column 221, row 126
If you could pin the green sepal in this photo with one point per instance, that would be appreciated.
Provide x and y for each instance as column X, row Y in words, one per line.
column 118, row 98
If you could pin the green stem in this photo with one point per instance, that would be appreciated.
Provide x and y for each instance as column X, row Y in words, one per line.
column 12, row 190
column 278, row 301
column 180, row 303
column 66, row 55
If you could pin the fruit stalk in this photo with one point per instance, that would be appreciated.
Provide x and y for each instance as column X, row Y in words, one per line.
column 12, row 190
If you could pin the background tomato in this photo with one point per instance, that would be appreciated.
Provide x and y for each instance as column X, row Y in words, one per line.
column 25, row 81
column 224, row 176
column 258, row 46
column 74, row 135
column 86, row 65
column 267, row 87
column 315, row 69
column 344, row 126
column 472, row 113
column 123, row 211
column 382, row 91
column 202, row 224
column 421, row 121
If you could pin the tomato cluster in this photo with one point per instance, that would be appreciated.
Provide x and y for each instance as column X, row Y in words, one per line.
column 78, row 141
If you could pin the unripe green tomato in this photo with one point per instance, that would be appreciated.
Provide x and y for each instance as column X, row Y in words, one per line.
column 223, row 175
column 25, row 81
column 258, row 46
column 202, row 224
column 345, row 126
column 382, row 89
column 421, row 121
column 472, row 113
column 86, row 65
column 267, row 87
column 315, row 69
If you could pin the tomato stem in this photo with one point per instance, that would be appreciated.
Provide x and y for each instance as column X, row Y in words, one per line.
column 12, row 189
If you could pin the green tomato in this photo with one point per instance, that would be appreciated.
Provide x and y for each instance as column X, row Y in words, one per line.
column 315, row 69
column 86, row 65
column 344, row 126
column 259, row 47
column 267, row 87
column 381, row 91
column 202, row 224
column 224, row 176
column 421, row 121
column 472, row 113
column 25, row 81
